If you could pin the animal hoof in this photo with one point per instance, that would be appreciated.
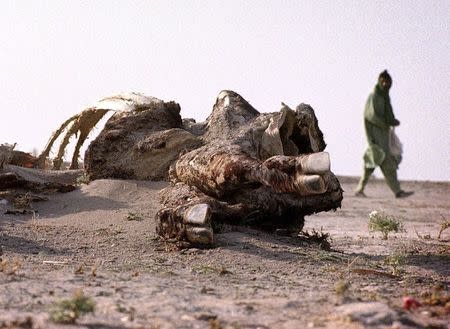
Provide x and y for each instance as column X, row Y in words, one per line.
column 310, row 184
column 200, row 235
column 199, row 214
column 316, row 163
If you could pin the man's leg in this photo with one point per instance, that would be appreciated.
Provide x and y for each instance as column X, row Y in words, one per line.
column 389, row 170
column 363, row 180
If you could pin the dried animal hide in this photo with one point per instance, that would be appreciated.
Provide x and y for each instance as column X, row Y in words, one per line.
column 139, row 144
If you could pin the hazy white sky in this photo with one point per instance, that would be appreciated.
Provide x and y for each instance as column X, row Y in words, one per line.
column 56, row 57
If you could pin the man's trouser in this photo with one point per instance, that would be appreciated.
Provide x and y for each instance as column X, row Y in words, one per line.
column 389, row 169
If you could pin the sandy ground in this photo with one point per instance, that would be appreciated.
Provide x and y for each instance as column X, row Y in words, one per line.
column 251, row 279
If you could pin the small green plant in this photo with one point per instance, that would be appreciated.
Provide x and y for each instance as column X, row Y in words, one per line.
column 384, row 223
column 69, row 310
column 395, row 261
column 341, row 288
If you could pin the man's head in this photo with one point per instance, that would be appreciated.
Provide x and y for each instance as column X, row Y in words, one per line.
column 385, row 80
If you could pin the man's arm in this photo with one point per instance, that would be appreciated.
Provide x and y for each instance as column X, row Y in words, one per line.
column 374, row 112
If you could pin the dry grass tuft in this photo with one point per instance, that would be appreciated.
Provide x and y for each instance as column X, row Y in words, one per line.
column 214, row 324
column 133, row 216
column 318, row 237
column 444, row 225
column 10, row 267
column 22, row 201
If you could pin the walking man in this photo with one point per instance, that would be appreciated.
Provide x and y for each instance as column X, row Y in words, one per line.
column 378, row 121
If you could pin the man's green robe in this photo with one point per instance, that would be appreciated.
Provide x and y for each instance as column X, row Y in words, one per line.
column 378, row 120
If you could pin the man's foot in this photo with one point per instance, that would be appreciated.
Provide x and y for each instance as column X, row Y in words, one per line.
column 360, row 194
column 403, row 194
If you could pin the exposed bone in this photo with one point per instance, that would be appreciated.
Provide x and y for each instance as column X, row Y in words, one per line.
column 86, row 122
column 83, row 123
column 40, row 163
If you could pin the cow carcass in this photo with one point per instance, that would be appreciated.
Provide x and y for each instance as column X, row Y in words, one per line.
column 240, row 166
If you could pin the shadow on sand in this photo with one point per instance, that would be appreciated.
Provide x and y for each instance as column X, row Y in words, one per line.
column 22, row 245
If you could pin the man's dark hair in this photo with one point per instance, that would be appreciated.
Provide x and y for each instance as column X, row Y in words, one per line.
column 385, row 75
